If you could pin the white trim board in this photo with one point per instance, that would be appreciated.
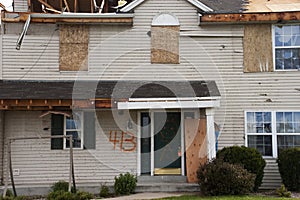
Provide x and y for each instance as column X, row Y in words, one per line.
column 167, row 105
column 195, row 3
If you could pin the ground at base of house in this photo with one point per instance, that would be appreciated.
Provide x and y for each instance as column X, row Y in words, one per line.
column 194, row 196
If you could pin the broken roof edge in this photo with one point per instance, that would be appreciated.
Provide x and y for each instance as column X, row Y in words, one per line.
column 249, row 17
column 195, row 3
column 68, row 18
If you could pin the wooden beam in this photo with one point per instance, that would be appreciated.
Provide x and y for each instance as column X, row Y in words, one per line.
column 23, row 16
column 75, row 6
column 67, row 5
column 46, row 4
column 251, row 17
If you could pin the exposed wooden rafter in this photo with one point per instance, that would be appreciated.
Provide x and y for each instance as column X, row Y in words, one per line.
column 46, row 104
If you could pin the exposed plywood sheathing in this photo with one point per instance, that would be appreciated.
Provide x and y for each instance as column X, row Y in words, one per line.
column 73, row 48
column 273, row 6
column 258, row 48
column 196, row 146
column 165, row 44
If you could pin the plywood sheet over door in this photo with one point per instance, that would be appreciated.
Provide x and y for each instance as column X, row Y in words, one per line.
column 196, row 146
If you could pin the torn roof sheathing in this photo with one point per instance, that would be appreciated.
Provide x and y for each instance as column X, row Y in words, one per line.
column 272, row 6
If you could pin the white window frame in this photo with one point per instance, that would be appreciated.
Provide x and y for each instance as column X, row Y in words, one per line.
column 78, row 130
column 274, row 133
column 287, row 47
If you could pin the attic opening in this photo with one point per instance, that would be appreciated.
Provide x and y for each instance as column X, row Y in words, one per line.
column 76, row 6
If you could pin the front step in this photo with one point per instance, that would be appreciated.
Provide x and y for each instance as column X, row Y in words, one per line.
column 165, row 184
column 167, row 187
column 162, row 179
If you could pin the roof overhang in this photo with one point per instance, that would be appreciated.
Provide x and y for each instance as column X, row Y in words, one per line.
column 169, row 103
column 106, row 18
column 51, row 95
column 248, row 18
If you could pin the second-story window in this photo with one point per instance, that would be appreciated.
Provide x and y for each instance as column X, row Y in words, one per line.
column 287, row 47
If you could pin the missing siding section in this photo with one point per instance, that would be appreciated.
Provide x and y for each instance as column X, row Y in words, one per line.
column 258, row 50
column 73, row 48
column 165, row 44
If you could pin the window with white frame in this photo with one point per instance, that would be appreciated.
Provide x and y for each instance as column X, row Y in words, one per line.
column 269, row 132
column 287, row 47
column 74, row 126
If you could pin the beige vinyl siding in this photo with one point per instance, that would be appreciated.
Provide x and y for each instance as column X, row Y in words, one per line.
column 1, row 144
column 20, row 5
column 39, row 165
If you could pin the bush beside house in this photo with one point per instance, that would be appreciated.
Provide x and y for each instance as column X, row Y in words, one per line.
column 250, row 158
column 221, row 178
column 289, row 168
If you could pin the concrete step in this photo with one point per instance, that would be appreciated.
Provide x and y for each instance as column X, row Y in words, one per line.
column 167, row 187
column 162, row 179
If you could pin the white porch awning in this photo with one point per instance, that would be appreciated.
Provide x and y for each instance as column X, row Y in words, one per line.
column 169, row 103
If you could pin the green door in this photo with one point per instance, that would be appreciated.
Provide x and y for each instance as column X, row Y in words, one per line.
column 167, row 143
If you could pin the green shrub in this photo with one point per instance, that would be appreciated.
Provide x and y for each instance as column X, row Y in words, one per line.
column 250, row 158
column 80, row 195
column 104, row 191
column 60, row 186
column 125, row 184
column 289, row 168
column 283, row 192
column 62, row 195
column 221, row 178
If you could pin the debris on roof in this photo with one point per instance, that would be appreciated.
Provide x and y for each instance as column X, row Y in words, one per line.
column 226, row 6
column 273, row 6
column 77, row 6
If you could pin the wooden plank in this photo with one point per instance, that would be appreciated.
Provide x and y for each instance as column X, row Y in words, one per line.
column 67, row 5
column 73, row 48
column 251, row 17
column 196, row 146
column 165, row 44
column 258, row 48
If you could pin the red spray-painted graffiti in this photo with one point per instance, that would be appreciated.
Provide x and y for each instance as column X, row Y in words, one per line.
column 126, row 140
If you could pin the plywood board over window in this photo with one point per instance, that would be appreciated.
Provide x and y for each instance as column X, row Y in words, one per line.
column 73, row 47
column 258, row 51
column 165, row 44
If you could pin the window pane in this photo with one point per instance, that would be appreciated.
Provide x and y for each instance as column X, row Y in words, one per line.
column 259, row 122
column 76, row 139
column 262, row 143
column 70, row 123
column 288, row 141
column 73, row 122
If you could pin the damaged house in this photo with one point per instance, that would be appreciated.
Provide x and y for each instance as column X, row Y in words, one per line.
column 143, row 86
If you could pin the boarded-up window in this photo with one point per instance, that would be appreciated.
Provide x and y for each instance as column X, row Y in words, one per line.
column 73, row 48
column 258, row 51
column 165, row 39
column 165, row 44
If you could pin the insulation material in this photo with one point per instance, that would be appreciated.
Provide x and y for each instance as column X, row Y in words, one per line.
column 73, row 48
column 273, row 5
column 196, row 146
column 258, row 48
column 165, row 44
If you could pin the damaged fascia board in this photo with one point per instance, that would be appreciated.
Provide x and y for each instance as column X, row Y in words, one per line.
column 80, row 15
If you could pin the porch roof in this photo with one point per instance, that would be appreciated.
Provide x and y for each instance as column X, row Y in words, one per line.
column 31, row 90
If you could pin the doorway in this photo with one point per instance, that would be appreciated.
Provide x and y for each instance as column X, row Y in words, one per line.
column 161, row 143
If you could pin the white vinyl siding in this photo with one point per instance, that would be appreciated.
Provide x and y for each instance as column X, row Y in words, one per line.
column 41, row 166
